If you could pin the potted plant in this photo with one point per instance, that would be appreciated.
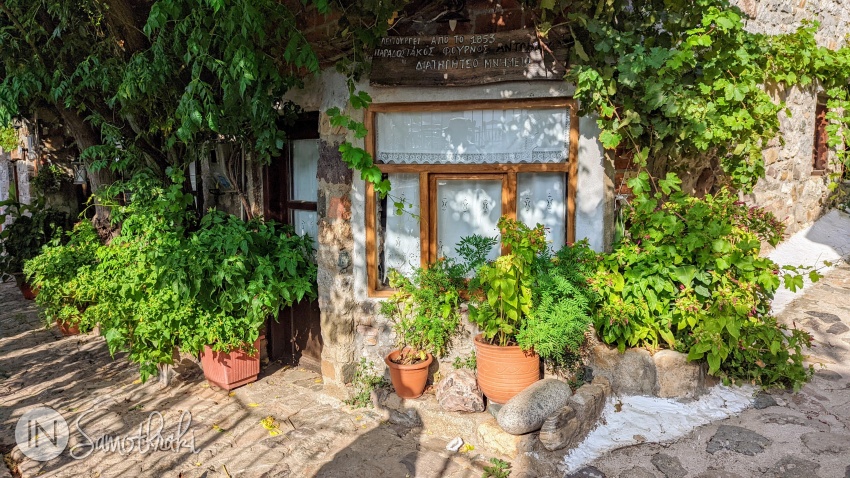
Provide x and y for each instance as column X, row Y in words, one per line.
column 57, row 274
column 33, row 226
column 424, row 312
column 248, row 271
column 501, row 308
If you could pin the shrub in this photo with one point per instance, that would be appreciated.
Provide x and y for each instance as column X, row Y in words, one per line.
column 688, row 276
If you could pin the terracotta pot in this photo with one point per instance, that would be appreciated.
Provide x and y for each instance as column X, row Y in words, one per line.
column 504, row 371
column 408, row 380
column 28, row 291
column 231, row 370
column 68, row 328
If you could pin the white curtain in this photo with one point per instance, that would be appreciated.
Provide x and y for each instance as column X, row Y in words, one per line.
column 469, row 137
column 541, row 200
column 466, row 207
column 402, row 246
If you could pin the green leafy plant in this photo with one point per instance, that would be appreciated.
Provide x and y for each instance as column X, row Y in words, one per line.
column 469, row 362
column 424, row 310
column 56, row 272
column 33, row 226
column 364, row 382
column 505, row 298
column 498, row 469
column 563, row 303
column 688, row 275
column 168, row 280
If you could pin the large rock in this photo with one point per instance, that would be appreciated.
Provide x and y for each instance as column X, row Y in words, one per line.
column 567, row 427
column 491, row 436
column 737, row 439
column 630, row 373
column 676, row 377
column 459, row 392
column 824, row 442
column 527, row 411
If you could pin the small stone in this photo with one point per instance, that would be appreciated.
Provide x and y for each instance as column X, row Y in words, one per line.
column 560, row 430
column 670, row 466
column 677, row 378
column 587, row 472
column 494, row 408
column 824, row 442
column 828, row 375
column 637, row 472
column 794, row 467
column 527, row 411
column 837, row 329
column 824, row 316
column 409, row 419
column 459, row 392
column 764, row 400
column 737, row 439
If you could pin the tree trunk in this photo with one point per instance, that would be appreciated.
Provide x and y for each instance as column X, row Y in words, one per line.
column 86, row 137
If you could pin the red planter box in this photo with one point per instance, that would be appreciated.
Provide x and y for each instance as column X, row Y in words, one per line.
column 231, row 370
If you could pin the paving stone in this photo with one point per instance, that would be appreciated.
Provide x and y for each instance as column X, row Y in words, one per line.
column 828, row 375
column 717, row 474
column 459, row 392
column 637, row 472
column 837, row 329
column 587, row 472
column 737, row 439
column 824, row 316
column 824, row 442
column 407, row 419
column 795, row 467
column 527, row 411
column 763, row 400
column 668, row 465
column 782, row 419
column 847, row 472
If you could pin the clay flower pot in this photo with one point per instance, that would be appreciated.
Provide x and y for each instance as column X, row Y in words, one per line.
column 27, row 290
column 504, row 371
column 231, row 370
column 408, row 380
column 67, row 328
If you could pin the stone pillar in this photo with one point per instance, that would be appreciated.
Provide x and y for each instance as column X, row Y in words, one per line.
column 335, row 274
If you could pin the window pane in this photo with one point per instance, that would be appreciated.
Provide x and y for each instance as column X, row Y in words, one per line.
column 402, row 247
column 469, row 137
column 466, row 207
column 541, row 199
column 305, row 158
column 306, row 222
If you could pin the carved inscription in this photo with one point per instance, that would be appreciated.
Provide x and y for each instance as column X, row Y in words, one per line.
column 452, row 60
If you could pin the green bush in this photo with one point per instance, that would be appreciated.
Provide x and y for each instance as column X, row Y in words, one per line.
column 57, row 272
column 688, row 276
column 34, row 226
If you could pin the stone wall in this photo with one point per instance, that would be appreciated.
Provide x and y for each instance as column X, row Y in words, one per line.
column 789, row 189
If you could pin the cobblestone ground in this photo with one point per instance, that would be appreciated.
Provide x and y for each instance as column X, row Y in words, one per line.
column 316, row 435
column 804, row 435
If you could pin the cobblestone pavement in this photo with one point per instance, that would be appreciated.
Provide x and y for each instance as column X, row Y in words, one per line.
column 316, row 435
column 805, row 435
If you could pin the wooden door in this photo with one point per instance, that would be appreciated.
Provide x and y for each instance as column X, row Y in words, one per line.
column 291, row 188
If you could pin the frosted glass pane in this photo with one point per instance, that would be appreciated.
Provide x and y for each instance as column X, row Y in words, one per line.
column 306, row 222
column 464, row 208
column 470, row 137
column 541, row 200
column 402, row 247
column 305, row 158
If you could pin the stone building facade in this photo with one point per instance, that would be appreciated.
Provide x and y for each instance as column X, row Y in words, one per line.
column 793, row 189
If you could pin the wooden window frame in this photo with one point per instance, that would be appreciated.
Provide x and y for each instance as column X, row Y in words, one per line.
column 305, row 127
column 429, row 172
column 820, row 147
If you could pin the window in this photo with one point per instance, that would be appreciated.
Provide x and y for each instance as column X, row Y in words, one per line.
column 820, row 151
column 461, row 166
